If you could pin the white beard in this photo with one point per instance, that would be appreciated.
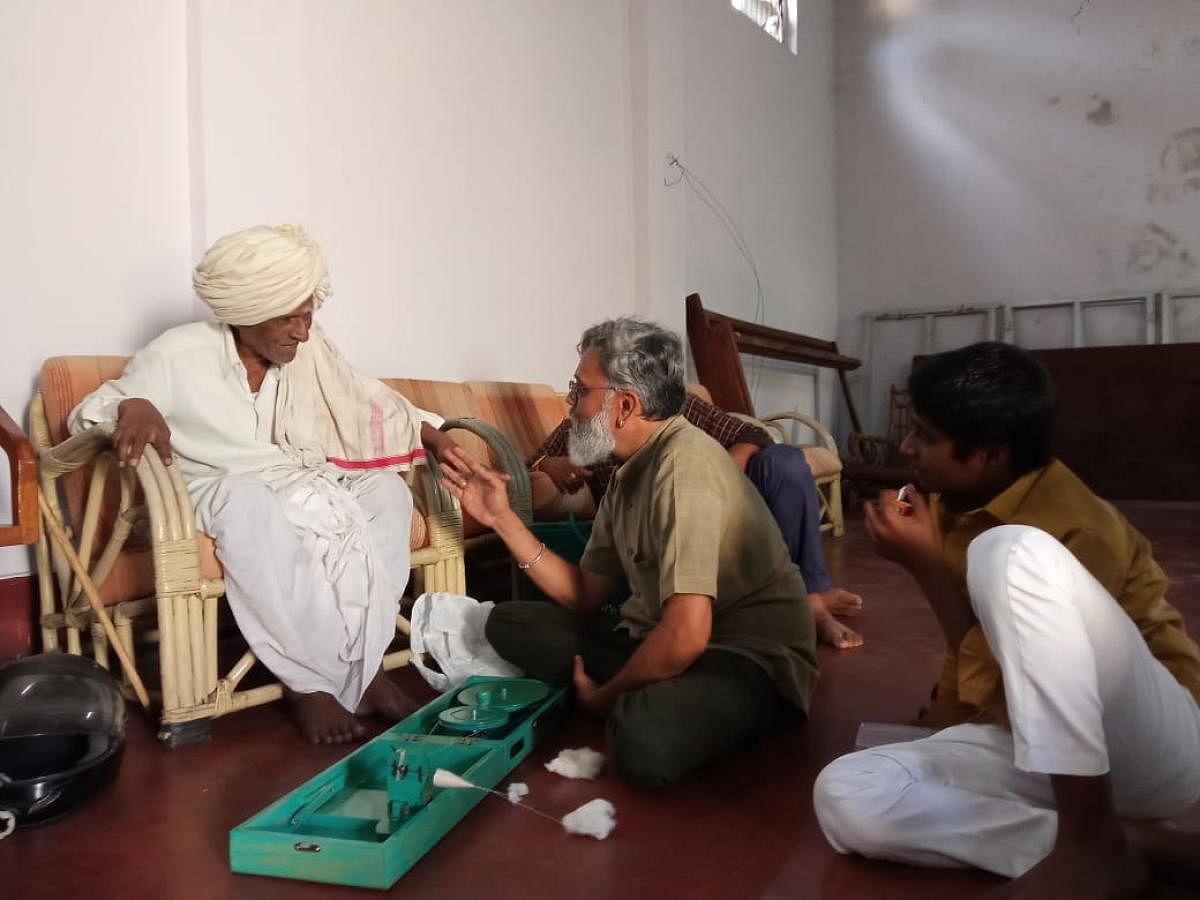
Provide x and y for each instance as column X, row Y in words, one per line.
column 590, row 442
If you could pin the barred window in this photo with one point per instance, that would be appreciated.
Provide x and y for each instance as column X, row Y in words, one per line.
column 776, row 17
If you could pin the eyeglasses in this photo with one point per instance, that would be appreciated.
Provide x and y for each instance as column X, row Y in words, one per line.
column 575, row 390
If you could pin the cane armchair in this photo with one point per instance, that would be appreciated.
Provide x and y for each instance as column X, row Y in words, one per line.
column 875, row 461
column 823, row 461
column 121, row 564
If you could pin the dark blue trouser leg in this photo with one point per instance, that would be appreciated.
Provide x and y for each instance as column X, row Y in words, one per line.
column 782, row 476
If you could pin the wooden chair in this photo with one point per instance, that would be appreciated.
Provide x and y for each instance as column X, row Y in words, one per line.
column 884, row 450
column 121, row 564
column 15, row 636
column 823, row 460
column 875, row 461
column 717, row 342
column 22, row 472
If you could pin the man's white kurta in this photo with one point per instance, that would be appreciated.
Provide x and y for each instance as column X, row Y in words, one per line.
column 316, row 559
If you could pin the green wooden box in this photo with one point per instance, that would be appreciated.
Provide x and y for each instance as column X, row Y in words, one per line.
column 367, row 819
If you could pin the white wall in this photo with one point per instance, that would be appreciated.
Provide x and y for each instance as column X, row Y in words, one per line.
column 467, row 165
column 94, row 225
column 759, row 132
column 1015, row 151
column 656, row 65
column 487, row 177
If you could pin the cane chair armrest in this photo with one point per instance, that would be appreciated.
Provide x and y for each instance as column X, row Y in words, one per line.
column 166, row 493
column 821, row 432
column 165, row 499
column 520, row 492
column 443, row 515
column 74, row 453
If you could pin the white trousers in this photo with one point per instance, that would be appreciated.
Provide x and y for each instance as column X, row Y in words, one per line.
column 1085, row 697
column 314, row 571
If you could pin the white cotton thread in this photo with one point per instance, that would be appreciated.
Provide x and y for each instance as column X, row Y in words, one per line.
column 596, row 818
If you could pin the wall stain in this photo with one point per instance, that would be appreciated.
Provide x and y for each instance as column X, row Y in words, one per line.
column 1190, row 46
column 1154, row 246
column 1103, row 114
column 1053, row 101
column 1178, row 167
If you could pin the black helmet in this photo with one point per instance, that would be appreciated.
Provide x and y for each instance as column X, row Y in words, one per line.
column 62, row 730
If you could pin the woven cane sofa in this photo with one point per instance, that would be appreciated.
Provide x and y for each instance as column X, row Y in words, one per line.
column 121, row 564
column 122, row 567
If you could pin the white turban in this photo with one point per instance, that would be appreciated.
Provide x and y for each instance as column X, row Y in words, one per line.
column 260, row 273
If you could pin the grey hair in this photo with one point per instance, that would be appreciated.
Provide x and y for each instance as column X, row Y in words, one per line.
column 640, row 357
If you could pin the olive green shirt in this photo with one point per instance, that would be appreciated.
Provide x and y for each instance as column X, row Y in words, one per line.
column 1055, row 500
column 681, row 518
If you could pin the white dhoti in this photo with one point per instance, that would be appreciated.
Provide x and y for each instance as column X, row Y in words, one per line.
column 315, row 565
column 1085, row 697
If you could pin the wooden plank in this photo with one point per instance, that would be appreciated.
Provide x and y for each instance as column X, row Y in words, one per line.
column 717, row 340
column 715, row 354
column 758, row 345
column 754, row 329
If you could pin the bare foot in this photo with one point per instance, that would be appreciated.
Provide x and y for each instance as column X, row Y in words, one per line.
column 322, row 719
column 1173, row 854
column 1083, row 871
column 384, row 698
column 832, row 632
column 837, row 602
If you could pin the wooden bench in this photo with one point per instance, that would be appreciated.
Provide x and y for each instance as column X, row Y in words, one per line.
column 717, row 342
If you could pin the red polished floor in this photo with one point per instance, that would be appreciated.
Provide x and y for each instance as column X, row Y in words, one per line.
column 744, row 828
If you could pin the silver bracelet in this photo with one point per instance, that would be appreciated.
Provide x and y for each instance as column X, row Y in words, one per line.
column 533, row 562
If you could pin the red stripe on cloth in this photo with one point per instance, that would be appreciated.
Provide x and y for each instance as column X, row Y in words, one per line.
column 383, row 462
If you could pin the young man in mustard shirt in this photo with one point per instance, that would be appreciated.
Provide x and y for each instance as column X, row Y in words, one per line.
column 1068, row 696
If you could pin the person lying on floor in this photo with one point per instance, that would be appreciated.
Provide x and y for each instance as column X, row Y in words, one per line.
column 1068, row 697
column 291, row 458
column 716, row 644
column 780, row 473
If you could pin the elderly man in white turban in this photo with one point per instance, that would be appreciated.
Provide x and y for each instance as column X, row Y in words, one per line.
column 290, row 457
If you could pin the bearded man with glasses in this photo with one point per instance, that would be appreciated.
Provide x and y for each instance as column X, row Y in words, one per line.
column 716, row 644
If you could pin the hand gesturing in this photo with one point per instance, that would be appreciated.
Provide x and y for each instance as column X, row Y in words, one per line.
column 482, row 491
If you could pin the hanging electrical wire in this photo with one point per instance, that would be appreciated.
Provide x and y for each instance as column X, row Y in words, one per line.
column 717, row 208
